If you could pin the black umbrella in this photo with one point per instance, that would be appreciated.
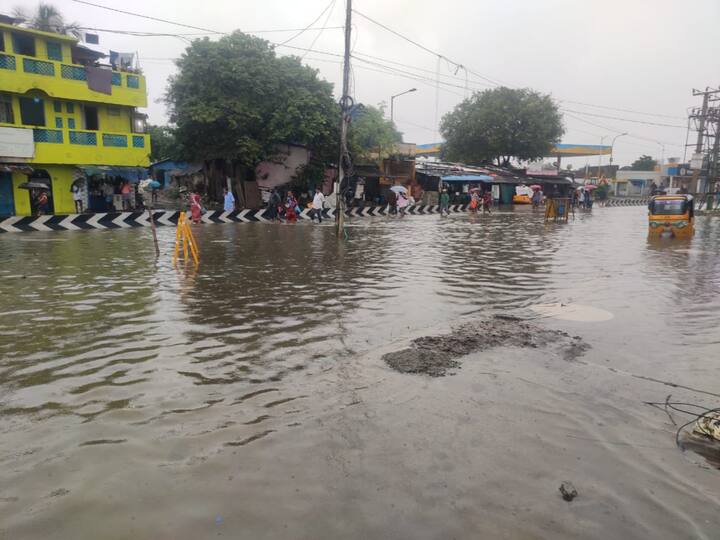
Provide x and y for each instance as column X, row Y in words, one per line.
column 34, row 185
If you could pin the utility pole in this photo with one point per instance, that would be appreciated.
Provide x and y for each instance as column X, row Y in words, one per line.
column 344, row 120
column 703, row 115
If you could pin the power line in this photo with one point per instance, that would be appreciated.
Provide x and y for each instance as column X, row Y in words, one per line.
column 147, row 16
column 327, row 19
column 423, row 47
column 622, row 110
column 332, row 3
column 625, row 119
column 138, row 33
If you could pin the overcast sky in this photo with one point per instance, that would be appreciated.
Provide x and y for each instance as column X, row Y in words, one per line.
column 637, row 55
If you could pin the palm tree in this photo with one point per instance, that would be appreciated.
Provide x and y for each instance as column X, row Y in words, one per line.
column 46, row 18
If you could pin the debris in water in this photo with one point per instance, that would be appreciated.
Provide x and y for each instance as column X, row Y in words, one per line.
column 435, row 355
column 568, row 491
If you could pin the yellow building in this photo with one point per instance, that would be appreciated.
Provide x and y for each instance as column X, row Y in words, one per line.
column 64, row 116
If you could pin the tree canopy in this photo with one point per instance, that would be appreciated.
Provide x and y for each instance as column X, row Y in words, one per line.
column 162, row 143
column 370, row 135
column 501, row 124
column 45, row 17
column 644, row 163
column 235, row 100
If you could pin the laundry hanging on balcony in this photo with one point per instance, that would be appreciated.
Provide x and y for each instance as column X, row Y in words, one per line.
column 99, row 80
column 120, row 60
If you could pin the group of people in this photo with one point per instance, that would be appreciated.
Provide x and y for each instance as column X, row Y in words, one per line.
column 479, row 200
column 289, row 210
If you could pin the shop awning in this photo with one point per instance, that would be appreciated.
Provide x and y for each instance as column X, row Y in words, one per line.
column 133, row 174
column 468, row 178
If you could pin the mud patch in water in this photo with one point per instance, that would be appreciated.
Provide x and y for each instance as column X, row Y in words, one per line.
column 436, row 355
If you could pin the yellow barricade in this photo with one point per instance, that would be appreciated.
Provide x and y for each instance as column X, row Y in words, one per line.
column 184, row 236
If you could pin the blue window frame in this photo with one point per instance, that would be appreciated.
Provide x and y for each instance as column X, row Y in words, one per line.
column 71, row 123
column 57, row 106
column 70, row 108
column 58, row 122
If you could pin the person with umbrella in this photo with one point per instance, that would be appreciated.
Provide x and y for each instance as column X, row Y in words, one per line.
column 402, row 201
column 474, row 199
column 43, row 202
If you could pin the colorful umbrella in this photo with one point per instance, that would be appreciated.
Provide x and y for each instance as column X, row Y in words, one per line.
column 535, row 187
column 590, row 187
column 399, row 189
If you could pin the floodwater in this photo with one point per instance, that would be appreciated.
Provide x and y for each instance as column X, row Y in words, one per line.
column 249, row 398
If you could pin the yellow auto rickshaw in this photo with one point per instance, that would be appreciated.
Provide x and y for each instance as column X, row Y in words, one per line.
column 671, row 215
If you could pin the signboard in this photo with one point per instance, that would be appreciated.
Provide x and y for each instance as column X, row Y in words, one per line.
column 16, row 143
column 696, row 162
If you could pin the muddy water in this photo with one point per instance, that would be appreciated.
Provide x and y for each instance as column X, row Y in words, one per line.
column 249, row 398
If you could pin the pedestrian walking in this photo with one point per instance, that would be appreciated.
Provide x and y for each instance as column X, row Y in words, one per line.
column 487, row 202
column 228, row 201
column 78, row 196
column 126, row 193
column 291, row 207
column 444, row 203
column 474, row 201
column 318, row 203
column 195, row 207
column 537, row 197
column 402, row 203
column 273, row 203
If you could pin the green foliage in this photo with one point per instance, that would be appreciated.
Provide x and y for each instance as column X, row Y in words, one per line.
column 501, row 124
column 163, row 144
column 370, row 136
column 644, row 163
column 235, row 100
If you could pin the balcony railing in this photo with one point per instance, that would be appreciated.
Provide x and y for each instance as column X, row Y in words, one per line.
column 88, row 138
column 49, row 68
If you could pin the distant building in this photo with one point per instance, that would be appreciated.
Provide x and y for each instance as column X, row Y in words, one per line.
column 634, row 183
column 65, row 116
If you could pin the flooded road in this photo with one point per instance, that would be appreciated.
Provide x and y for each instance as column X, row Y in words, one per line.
column 249, row 398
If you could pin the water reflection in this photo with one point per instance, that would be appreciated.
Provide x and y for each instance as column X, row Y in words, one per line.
column 102, row 346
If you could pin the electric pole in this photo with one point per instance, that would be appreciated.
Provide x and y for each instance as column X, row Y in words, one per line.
column 703, row 116
column 345, row 104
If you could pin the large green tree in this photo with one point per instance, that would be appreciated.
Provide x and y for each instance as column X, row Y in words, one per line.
column 370, row 135
column 163, row 144
column 501, row 124
column 234, row 100
column 644, row 163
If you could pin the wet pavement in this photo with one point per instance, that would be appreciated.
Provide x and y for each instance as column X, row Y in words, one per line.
column 250, row 398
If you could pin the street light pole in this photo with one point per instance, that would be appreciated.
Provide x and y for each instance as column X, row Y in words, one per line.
column 612, row 145
column 392, row 102
column 602, row 140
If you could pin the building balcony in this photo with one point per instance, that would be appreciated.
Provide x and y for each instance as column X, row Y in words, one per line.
column 73, row 147
column 20, row 74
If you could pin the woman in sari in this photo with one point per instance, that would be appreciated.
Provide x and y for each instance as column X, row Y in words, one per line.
column 290, row 207
column 195, row 207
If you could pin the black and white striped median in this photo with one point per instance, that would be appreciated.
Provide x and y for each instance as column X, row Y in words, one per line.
column 124, row 220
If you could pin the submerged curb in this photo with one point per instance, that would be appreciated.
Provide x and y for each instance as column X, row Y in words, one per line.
column 124, row 220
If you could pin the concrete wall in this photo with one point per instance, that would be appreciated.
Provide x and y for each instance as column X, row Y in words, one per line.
column 290, row 159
